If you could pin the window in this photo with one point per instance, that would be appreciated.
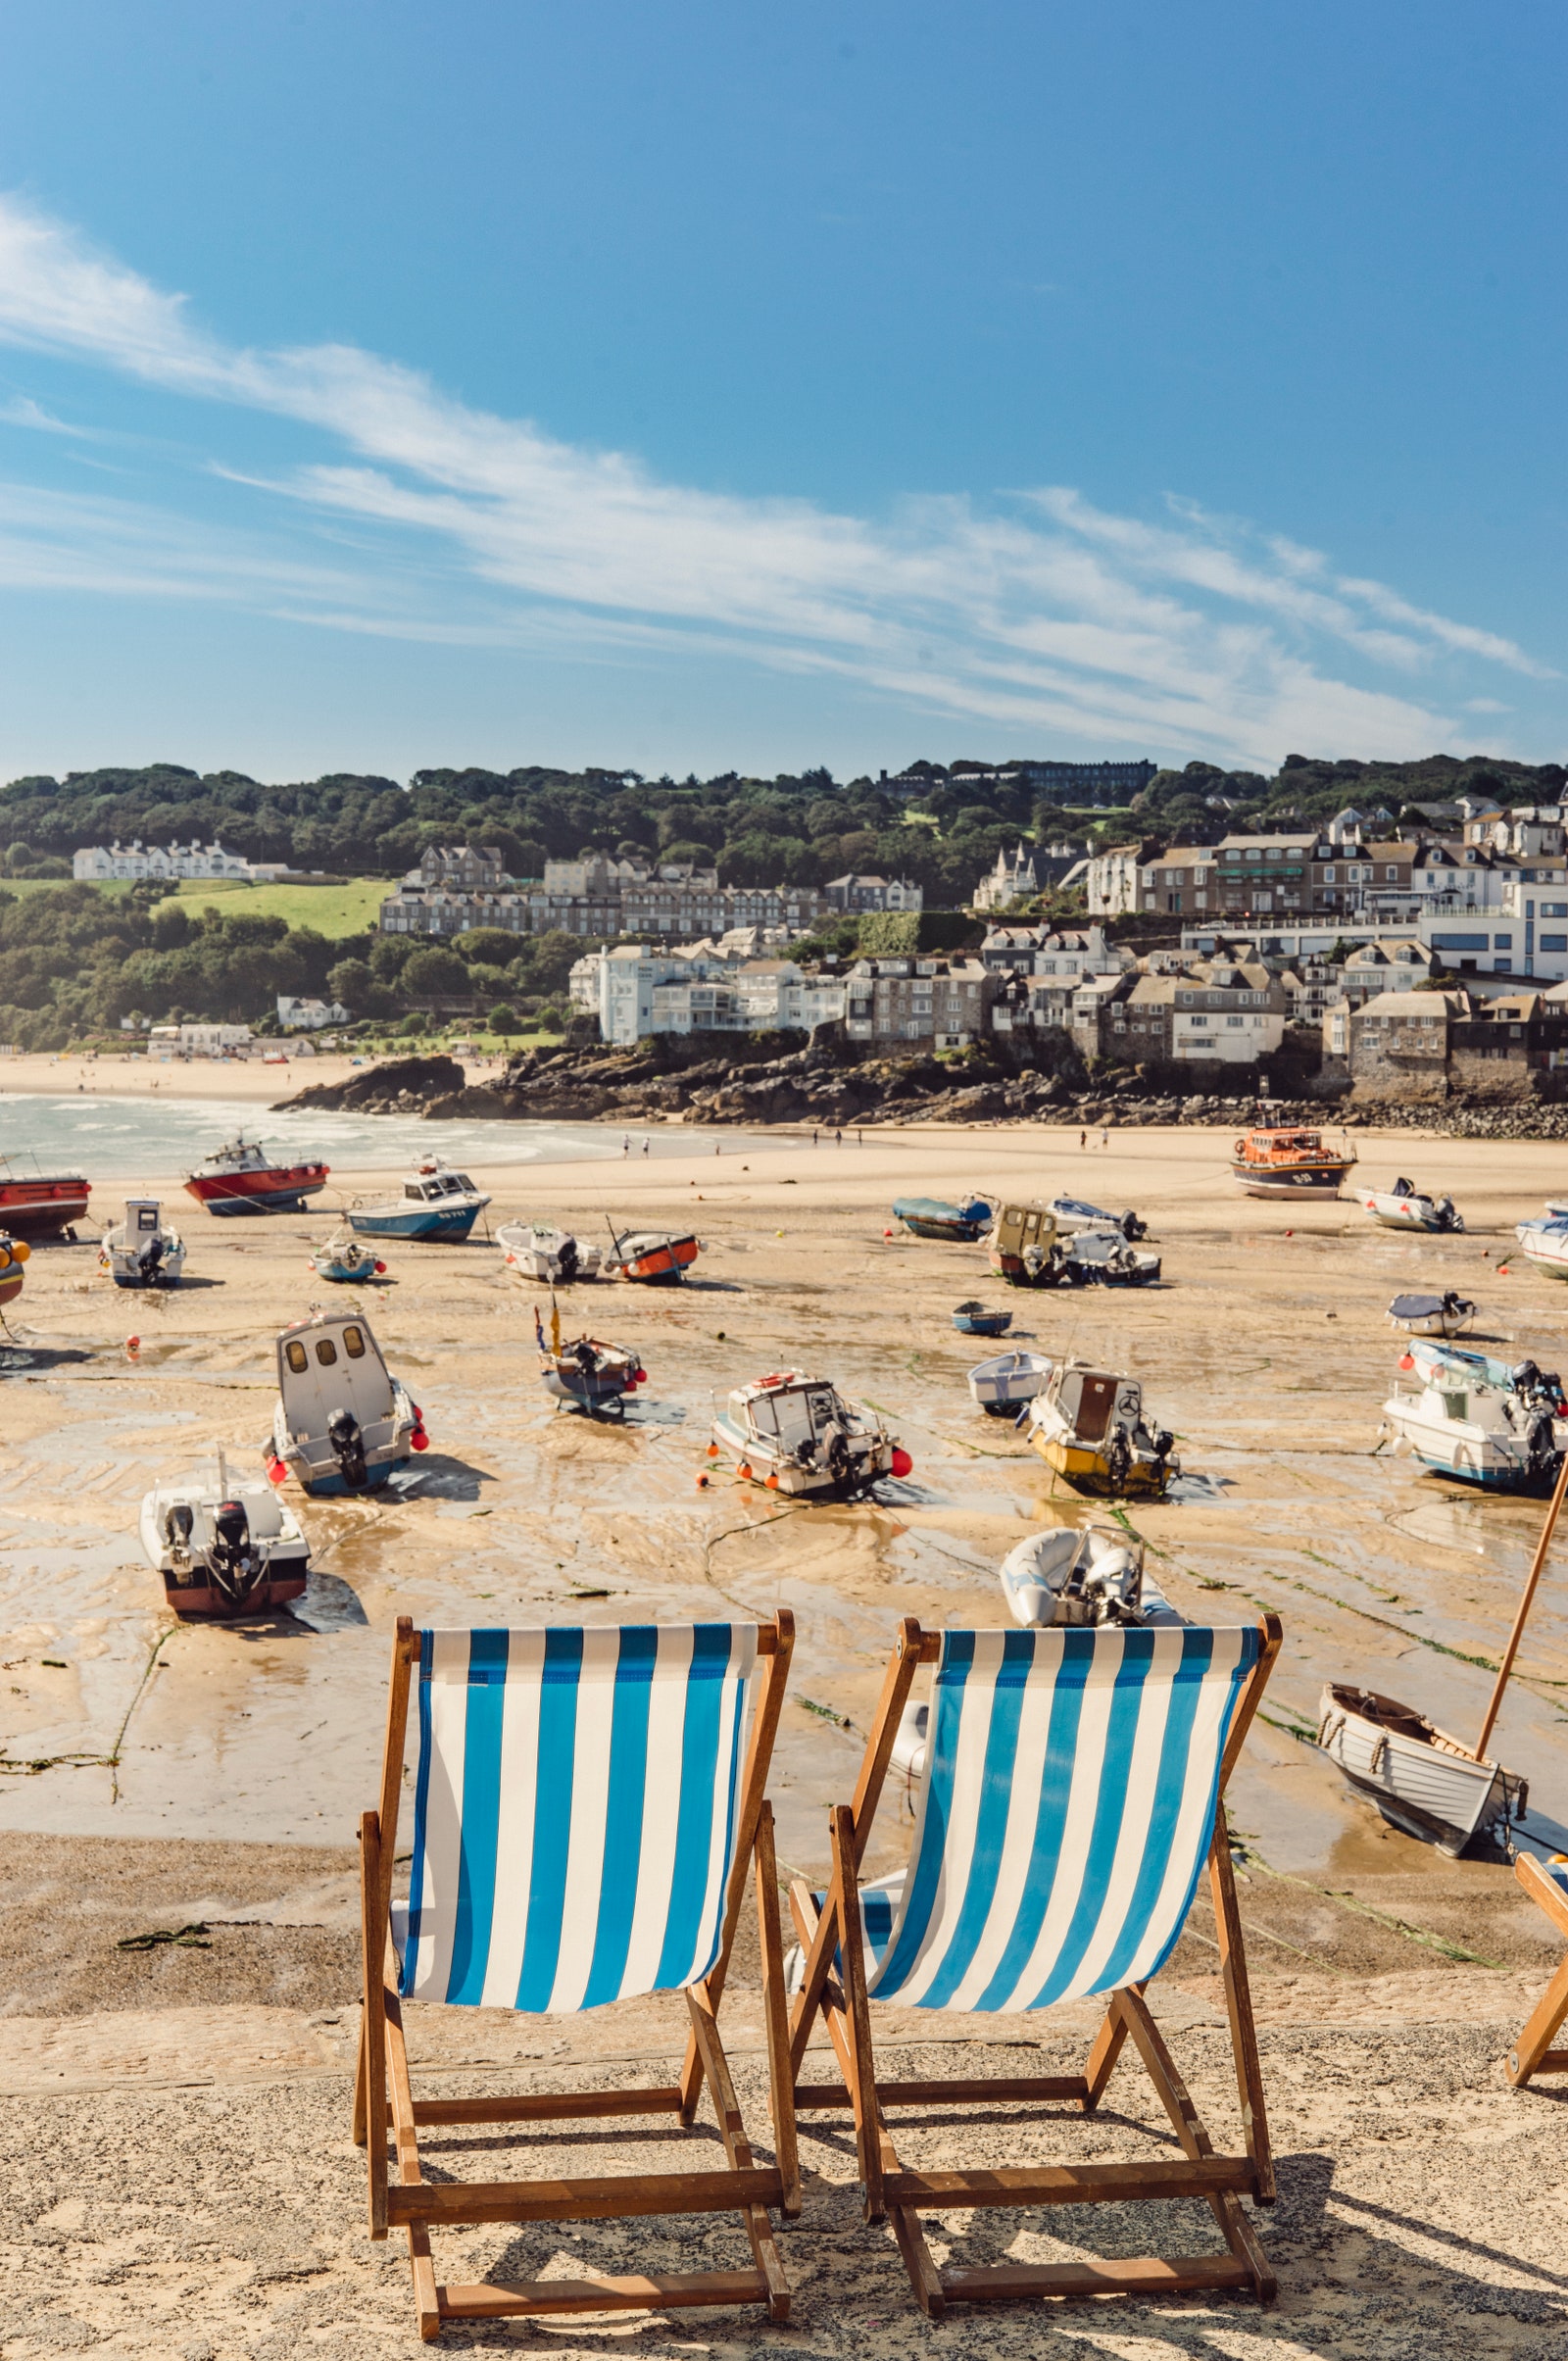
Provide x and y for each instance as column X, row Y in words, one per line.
column 354, row 1343
column 294, row 1355
column 1328, row 875
column 1555, row 942
column 325, row 1352
column 1502, row 942
column 1554, row 909
column 1236, row 1020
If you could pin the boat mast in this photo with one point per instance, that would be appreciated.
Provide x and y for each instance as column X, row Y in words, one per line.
column 1526, row 1602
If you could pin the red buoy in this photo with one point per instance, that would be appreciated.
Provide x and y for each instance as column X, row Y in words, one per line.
column 902, row 1461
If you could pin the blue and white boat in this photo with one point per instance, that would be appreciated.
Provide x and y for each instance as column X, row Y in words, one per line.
column 933, row 1217
column 1468, row 1415
column 344, row 1259
column 1545, row 1241
column 437, row 1204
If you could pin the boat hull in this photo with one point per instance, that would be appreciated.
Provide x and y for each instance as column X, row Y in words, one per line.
column 780, row 1472
column 1002, row 1386
column 38, row 1208
column 982, row 1324
column 13, row 1278
column 664, row 1265
column 1305, row 1180
column 955, row 1233
column 280, row 1189
column 596, row 1393
column 1088, row 1469
column 206, row 1600
column 420, row 1225
column 1424, row 1783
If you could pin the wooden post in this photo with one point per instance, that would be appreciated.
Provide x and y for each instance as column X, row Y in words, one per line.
column 1537, row 1565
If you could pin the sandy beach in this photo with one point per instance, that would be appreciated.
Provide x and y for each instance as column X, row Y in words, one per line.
column 160, row 1775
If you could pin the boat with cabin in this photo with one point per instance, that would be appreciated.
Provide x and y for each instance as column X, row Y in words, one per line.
column 800, row 1436
column 1404, row 1206
column 1285, row 1160
column 240, row 1177
column 933, row 1217
column 1089, row 1425
column 1544, row 1240
column 39, row 1204
column 224, row 1545
column 435, row 1205
column 346, row 1262
column 342, row 1422
column 545, row 1255
column 1481, row 1420
column 142, row 1251
column 1022, row 1247
column 651, row 1257
column 1001, row 1387
column 1447, row 1315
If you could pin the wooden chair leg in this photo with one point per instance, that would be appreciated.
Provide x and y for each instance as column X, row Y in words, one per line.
column 857, row 2014
column 1192, row 2135
column 775, row 2012
column 737, row 2147
column 373, row 2024
column 1534, row 2049
column 1238, row 2009
column 1106, row 2050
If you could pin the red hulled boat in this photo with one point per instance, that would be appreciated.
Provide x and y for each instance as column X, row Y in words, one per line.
column 38, row 1206
column 241, row 1178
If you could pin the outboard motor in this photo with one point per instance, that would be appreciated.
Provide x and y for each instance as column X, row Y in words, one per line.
column 835, row 1448
column 1132, row 1229
column 237, row 1564
column 348, row 1444
column 149, row 1262
column 177, row 1525
column 568, row 1261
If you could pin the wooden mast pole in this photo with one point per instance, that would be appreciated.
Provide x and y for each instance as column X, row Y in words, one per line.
column 1537, row 1565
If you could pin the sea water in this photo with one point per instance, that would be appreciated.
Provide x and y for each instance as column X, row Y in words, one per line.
column 114, row 1139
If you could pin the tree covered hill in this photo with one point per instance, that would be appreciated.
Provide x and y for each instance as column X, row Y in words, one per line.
column 1200, row 803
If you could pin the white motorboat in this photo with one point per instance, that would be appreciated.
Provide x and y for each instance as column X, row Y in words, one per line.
column 800, row 1436
column 1464, row 1414
column 1088, row 1424
column 1001, row 1386
column 1544, row 1242
column 545, row 1255
column 1449, row 1315
column 342, row 1422
column 224, row 1545
column 1104, row 1259
column 1404, row 1206
column 1072, row 1575
column 1074, row 1213
column 142, row 1251
column 1424, row 1781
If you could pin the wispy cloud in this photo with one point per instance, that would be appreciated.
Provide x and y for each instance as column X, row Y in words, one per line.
column 1032, row 612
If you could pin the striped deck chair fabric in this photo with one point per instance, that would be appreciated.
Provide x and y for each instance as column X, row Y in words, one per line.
column 1065, row 1814
column 575, row 1813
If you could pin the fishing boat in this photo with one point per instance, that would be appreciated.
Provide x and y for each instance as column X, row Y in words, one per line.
column 546, row 1257
column 1420, row 1779
column 799, row 1434
column 1449, row 1315
column 1023, row 1248
column 1464, row 1414
column 345, row 1261
column 976, row 1319
column 1071, row 1576
column 241, row 1178
column 14, row 1253
column 587, row 1372
column 1104, row 1259
column 651, row 1257
column 436, row 1206
column 1088, row 1425
column 1071, row 1214
column 39, row 1204
column 1545, row 1242
column 342, row 1423
column 1001, row 1387
column 1285, row 1161
column 933, row 1217
column 223, row 1545
column 140, row 1251
column 1404, row 1206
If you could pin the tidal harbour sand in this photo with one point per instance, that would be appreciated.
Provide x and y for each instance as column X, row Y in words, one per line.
column 176, row 2134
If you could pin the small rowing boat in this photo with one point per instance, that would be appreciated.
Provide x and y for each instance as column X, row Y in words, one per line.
column 588, row 1373
column 1001, row 1387
column 975, row 1319
column 651, row 1257
column 1449, row 1315
column 345, row 1261
column 933, row 1217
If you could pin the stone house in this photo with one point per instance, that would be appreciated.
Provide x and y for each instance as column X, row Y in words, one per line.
column 943, row 1003
column 1396, row 1044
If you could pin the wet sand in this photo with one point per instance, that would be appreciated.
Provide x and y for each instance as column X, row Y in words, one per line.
column 203, row 1774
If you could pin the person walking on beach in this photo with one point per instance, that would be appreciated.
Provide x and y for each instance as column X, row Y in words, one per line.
column 625, row 1144
column 1083, row 1139
column 813, row 1139
column 644, row 1147
column 838, row 1139
column 1105, row 1139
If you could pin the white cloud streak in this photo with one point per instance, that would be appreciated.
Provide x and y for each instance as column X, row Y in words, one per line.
column 425, row 518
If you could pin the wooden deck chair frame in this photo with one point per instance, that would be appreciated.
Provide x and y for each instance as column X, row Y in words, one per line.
column 383, row 2092
column 1535, row 2053
column 891, row 2192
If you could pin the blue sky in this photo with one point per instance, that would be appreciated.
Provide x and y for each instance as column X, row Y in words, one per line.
column 692, row 386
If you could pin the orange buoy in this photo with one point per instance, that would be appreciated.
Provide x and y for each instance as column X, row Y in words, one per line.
column 712, row 1451
column 772, row 1479
column 132, row 1346
column 745, row 1468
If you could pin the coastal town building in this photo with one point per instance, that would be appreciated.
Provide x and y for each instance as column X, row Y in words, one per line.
column 1425, row 1046
column 310, row 1015
column 1044, row 950
column 945, row 1004
column 99, row 865
column 464, row 867
column 635, row 990
column 597, row 896
column 1014, row 879
column 859, row 894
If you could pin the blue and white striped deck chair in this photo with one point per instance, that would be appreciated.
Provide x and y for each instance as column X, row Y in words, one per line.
column 1068, row 1800
column 1547, row 1884
column 587, row 1809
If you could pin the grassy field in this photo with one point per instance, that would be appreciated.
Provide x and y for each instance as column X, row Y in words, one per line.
column 333, row 909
